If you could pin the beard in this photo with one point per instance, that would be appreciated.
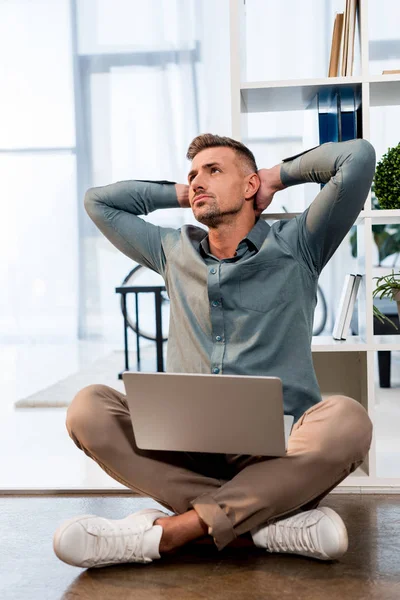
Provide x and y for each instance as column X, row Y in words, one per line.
column 213, row 216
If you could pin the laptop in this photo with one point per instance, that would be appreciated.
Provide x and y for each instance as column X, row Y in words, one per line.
column 228, row 414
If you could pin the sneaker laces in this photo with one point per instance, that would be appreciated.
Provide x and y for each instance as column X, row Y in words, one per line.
column 293, row 534
column 116, row 543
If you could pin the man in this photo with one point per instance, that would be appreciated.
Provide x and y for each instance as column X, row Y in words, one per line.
column 242, row 300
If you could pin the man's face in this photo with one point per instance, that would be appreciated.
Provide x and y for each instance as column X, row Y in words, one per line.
column 216, row 186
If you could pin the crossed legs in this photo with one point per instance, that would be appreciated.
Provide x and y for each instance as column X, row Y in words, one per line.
column 224, row 496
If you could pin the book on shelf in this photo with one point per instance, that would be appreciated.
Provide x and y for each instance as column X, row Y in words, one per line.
column 345, row 36
column 335, row 48
column 343, row 39
column 350, row 308
column 391, row 72
column 343, row 306
column 346, row 306
column 351, row 37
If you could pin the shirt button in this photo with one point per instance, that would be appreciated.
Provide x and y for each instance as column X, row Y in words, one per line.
column 215, row 303
column 218, row 338
column 216, row 370
column 213, row 271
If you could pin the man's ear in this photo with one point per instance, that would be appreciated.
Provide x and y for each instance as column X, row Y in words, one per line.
column 252, row 186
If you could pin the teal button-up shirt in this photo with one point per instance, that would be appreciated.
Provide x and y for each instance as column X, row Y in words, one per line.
column 251, row 314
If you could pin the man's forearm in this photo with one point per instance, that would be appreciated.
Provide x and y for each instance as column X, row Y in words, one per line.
column 319, row 164
column 137, row 197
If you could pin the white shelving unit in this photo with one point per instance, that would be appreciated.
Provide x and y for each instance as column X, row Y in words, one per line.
column 342, row 367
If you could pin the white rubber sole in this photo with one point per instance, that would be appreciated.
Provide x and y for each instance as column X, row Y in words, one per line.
column 341, row 527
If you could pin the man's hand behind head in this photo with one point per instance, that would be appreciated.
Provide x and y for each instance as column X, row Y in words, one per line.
column 270, row 184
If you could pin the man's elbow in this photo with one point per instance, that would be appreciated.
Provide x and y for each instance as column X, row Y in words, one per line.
column 367, row 154
column 90, row 200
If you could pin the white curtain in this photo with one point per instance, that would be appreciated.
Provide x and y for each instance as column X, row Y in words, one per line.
column 144, row 111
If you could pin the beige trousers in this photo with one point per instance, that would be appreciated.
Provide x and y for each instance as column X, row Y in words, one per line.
column 232, row 494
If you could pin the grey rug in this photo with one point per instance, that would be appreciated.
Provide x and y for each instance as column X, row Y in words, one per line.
column 104, row 371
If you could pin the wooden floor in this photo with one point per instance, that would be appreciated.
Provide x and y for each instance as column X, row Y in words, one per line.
column 30, row 570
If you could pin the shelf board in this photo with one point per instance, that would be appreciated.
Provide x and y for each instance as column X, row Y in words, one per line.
column 377, row 216
column 326, row 343
column 386, row 342
column 268, row 96
column 299, row 83
column 297, row 94
column 381, row 217
column 384, row 78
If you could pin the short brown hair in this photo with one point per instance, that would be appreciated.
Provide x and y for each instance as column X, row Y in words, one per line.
column 209, row 140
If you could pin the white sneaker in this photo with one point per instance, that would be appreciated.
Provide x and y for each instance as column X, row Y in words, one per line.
column 318, row 533
column 90, row 541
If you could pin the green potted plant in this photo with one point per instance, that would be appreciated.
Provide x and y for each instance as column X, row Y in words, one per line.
column 387, row 286
column 385, row 195
column 387, row 179
column 387, row 191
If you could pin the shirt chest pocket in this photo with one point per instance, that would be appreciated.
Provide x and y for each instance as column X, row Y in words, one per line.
column 264, row 286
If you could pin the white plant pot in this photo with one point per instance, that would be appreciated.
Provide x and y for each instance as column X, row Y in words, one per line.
column 396, row 297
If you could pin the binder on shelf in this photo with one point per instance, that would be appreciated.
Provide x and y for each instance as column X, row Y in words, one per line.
column 347, row 119
column 328, row 105
column 346, row 306
column 350, row 309
column 339, row 119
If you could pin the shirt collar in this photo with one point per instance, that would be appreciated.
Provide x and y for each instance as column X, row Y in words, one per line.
column 258, row 233
column 256, row 236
